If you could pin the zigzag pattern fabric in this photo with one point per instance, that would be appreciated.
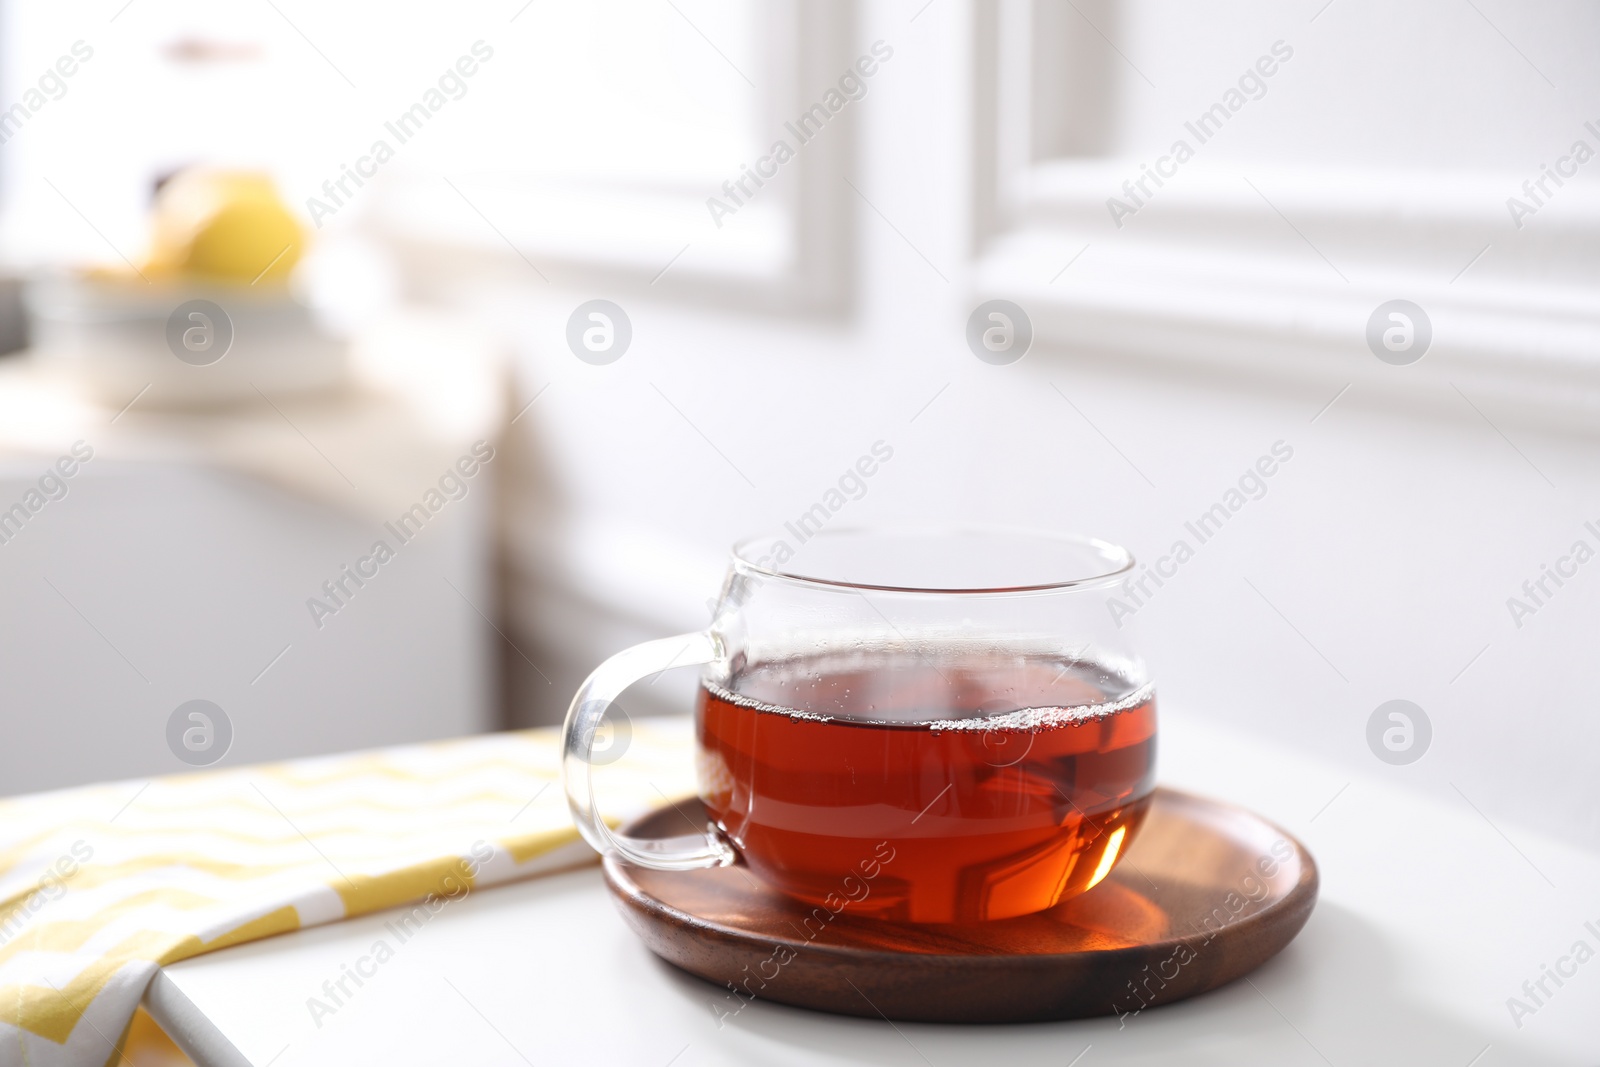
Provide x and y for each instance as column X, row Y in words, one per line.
column 101, row 885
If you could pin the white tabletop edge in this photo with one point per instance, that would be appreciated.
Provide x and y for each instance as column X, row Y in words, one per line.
column 188, row 1027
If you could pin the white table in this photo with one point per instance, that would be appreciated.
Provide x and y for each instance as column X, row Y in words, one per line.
column 1429, row 919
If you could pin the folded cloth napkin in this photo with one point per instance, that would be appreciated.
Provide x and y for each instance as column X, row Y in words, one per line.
column 101, row 885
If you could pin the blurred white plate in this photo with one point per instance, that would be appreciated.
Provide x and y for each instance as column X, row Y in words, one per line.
column 114, row 338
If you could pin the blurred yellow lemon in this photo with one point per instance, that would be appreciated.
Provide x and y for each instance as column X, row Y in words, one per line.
column 227, row 226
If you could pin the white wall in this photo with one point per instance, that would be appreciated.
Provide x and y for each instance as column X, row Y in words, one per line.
column 1427, row 85
column 1391, row 540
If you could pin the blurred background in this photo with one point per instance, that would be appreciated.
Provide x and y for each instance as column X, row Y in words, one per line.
column 395, row 219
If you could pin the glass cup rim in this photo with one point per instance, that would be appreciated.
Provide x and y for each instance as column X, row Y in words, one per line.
column 1119, row 561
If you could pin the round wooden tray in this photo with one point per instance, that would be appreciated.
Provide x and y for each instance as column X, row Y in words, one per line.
column 1207, row 892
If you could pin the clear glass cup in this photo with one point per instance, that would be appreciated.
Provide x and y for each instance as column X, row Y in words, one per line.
column 933, row 726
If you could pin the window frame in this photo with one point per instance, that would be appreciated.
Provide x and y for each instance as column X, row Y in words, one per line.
column 1271, row 304
column 804, row 265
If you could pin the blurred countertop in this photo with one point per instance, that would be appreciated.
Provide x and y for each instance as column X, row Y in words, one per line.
column 421, row 388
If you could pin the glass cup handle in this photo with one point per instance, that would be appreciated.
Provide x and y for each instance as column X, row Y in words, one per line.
column 591, row 702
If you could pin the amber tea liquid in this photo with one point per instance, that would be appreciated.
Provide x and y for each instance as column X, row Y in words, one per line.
column 1001, row 784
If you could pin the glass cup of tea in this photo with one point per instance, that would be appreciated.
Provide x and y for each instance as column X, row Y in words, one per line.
column 950, row 718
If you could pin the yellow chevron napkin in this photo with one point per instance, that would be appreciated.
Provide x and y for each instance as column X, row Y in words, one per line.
column 101, row 885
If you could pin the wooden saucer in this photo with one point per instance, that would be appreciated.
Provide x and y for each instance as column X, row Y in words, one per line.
column 1206, row 893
